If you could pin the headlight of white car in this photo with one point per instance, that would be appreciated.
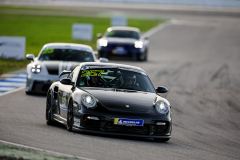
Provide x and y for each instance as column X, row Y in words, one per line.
column 138, row 44
column 36, row 68
column 103, row 42
column 162, row 107
column 88, row 101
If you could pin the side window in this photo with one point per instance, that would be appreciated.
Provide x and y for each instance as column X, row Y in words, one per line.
column 74, row 74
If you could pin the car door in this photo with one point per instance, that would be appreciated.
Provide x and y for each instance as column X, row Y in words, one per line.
column 65, row 92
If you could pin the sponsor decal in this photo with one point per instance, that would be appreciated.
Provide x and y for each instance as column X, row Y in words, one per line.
column 92, row 67
column 128, row 122
column 83, row 68
column 10, row 44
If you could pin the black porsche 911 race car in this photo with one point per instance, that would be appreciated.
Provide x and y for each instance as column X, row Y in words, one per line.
column 123, row 42
column 111, row 99
column 52, row 60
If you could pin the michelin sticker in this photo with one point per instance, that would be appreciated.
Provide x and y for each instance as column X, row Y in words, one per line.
column 128, row 122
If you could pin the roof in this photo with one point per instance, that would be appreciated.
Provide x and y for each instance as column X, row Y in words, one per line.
column 110, row 64
column 125, row 28
column 70, row 45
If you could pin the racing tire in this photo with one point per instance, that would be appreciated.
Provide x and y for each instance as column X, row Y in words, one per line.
column 161, row 139
column 146, row 55
column 70, row 116
column 27, row 93
column 143, row 57
column 49, row 110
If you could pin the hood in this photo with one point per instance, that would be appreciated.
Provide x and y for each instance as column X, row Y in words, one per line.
column 117, row 100
column 121, row 40
column 56, row 67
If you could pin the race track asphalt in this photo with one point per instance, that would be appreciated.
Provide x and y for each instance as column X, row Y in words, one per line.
column 198, row 59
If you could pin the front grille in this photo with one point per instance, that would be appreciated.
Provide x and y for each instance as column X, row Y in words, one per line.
column 110, row 127
column 125, row 45
column 38, row 86
column 92, row 124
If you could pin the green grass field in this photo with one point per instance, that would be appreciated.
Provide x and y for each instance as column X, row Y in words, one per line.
column 11, row 152
column 42, row 29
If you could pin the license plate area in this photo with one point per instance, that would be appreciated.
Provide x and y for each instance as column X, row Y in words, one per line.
column 119, row 50
column 128, row 122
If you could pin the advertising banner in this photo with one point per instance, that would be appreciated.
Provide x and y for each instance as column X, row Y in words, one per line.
column 119, row 21
column 82, row 31
column 12, row 47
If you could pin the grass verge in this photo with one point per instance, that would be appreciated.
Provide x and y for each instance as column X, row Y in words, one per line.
column 42, row 29
column 11, row 152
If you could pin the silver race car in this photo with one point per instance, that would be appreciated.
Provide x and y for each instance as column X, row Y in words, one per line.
column 52, row 60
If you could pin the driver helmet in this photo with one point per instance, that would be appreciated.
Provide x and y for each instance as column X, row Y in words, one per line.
column 129, row 79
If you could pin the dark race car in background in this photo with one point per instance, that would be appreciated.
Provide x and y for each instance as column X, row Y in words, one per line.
column 111, row 99
column 52, row 60
column 123, row 42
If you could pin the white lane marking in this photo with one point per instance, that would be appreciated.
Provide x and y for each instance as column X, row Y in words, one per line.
column 69, row 66
column 24, row 75
column 44, row 150
column 158, row 28
column 10, row 84
column 6, row 88
column 60, row 67
column 11, row 91
column 16, row 79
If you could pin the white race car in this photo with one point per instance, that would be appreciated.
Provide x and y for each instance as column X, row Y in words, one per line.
column 52, row 60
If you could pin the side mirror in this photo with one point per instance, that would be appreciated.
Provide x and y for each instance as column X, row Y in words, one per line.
column 99, row 35
column 146, row 38
column 64, row 72
column 161, row 89
column 66, row 81
column 30, row 57
column 103, row 60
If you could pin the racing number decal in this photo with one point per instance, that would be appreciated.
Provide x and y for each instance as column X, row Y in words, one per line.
column 46, row 51
column 86, row 73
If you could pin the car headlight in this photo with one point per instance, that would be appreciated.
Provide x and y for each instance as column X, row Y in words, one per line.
column 88, row 101
column 103, row 42
column 138, row 44
column 162, row 107
column 36, row 68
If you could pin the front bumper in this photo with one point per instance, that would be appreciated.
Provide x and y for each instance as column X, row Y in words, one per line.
column 39, row 83
column 105, row 125
column 133, row 53
column 121, row 134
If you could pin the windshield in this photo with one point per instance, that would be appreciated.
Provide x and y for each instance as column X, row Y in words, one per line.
column 123, row 34
column 66, row 55
column 115, row 78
